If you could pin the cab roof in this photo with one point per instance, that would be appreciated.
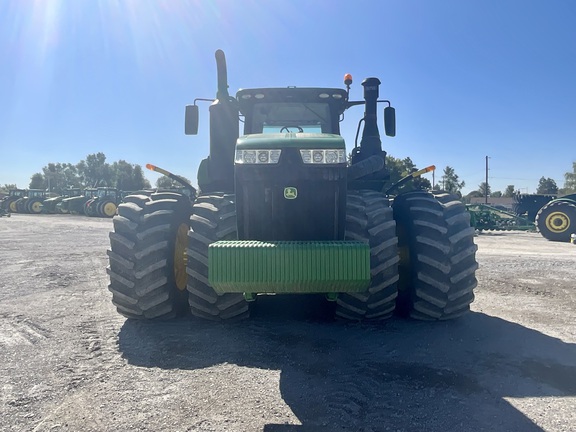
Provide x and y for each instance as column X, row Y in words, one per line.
column 336, row 97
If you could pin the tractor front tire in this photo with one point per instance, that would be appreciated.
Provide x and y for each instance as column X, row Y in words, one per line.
column 213, row 219
column 437, row 256
column 557, row 220
column 369, row 218
column 148, row 256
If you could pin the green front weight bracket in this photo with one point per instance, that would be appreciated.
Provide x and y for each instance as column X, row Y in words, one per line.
column 253, row 267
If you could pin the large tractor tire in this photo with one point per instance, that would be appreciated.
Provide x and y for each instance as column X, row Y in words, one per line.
column 557, row 220
column 34, row 206
column 21, row 205
column 148, row 256
column 369, row 218
column 437, row 256
column 12, row 207
column 213, row 219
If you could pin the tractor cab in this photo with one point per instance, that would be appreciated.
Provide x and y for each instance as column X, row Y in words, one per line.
column 36, row 193
column 71, row 192
column 106, row 192
column 17, row 193
column 292, row 110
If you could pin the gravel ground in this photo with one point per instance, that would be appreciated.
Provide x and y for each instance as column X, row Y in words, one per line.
column 69, row 362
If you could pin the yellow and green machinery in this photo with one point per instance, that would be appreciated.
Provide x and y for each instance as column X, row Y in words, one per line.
column 8, row 204
column 281, row 211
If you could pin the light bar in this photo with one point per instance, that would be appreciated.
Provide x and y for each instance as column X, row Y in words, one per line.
column 323, row 156
column 257, row 156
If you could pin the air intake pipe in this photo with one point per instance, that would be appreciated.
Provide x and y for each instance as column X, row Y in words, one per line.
column 224, row 131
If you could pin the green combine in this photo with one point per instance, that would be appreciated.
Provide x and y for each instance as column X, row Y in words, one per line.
column 281, row 211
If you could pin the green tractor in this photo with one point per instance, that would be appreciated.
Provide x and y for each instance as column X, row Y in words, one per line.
column 54, row 205
column 556, row 220
column 32, row 201
column 75, row 204
column 104, row 203
column 8, row 204
column 281, row 211
column 528, row 205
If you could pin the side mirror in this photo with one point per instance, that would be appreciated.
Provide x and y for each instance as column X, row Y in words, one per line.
column 390, row 121
column 191, row 120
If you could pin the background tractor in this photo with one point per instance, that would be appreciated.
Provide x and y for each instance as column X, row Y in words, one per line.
column 75, row 205
column 8, row 204
column 282, row 212
column 554, row 217
column 54, row 204
column 31, row 202
column 104, row 203
column 556, row 220
column 528, row 205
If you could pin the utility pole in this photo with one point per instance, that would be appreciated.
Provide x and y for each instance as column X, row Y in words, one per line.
column 433, row 177
column 487, row 187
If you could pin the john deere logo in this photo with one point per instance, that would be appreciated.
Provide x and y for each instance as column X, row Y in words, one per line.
column 290, row 192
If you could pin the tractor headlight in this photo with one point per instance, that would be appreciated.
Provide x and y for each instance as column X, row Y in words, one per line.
column 329, row 156
column 257, row 156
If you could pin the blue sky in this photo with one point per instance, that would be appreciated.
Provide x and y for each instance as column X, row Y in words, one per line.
column 468, row 79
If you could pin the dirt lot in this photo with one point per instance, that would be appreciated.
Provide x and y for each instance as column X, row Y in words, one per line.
column 69, row 362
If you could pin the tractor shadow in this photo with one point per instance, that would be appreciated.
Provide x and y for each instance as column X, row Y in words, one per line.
column 402, row 375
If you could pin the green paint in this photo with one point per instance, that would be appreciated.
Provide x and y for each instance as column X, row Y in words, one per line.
column 289, row 267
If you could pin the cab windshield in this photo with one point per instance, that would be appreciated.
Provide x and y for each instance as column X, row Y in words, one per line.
column 104, row 193
column 284, row 117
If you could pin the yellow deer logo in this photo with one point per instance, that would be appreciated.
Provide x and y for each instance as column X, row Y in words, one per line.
column 290, row 193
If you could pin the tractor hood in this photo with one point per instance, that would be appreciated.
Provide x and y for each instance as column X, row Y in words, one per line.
column 290, row 140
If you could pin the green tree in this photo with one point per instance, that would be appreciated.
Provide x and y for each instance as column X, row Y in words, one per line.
column 451, row 182
column 7, row 186
column 400, row 168
column 484, row 189
column 128, row 177
column 139, row 178
column 37, row 181
column 94, row 171
column 547, row 186
column 509, row 192
column 60, row 176
column 570, row 181
column 497, row 194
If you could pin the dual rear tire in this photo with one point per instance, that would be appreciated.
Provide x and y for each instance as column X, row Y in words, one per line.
column 421, row 250
column 437, row 256
column 147, row 256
